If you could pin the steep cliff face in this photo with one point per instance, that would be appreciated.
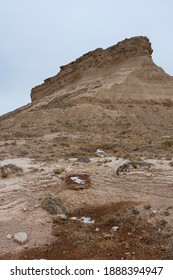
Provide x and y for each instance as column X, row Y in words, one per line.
column 92, row 62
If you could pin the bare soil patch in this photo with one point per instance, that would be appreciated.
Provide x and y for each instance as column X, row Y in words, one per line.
column 134, row 237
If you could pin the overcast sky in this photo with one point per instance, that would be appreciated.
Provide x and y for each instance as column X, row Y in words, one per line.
column 37, row 36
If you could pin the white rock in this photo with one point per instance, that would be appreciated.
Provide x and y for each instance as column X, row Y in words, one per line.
column 37, row 205
column 84, row 220
column 114, row 228
column 99, row 151
column 20, row 237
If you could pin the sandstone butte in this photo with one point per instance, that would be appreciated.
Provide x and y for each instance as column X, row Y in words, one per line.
column 126, row 69
column 119, row 86
column 108, row 107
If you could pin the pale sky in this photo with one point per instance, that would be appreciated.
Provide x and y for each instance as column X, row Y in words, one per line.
column 38, row 36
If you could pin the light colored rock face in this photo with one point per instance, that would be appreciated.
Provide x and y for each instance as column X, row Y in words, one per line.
column 92, row 62
column 20, row 237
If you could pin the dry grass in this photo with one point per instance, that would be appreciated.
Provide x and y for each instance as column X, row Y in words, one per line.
column 168, row 143
column 10, row 169
column 147, row 206
column 108, row 245
column 82, row 236
column 4, row 174
column 109, row 220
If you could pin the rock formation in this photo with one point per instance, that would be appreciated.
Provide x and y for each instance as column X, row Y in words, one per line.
column 122, row 67
column 104, row 90
column 93, row 61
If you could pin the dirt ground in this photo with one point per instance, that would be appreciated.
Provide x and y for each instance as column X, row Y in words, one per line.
column 138, row 202
column 133, row 238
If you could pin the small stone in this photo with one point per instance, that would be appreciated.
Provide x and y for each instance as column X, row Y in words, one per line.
column 115, row 228
column 9, row 236
column 25, row 209
column 37, row 205
column 20, row 237
column 97, row 229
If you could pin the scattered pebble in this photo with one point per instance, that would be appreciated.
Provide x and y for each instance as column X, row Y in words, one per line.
column 9, row 236
column 37, row 205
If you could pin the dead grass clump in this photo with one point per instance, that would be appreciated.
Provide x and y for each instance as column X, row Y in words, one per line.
column 59, row 170
column 109, row 220
column 147, row 206
column 52, row 205
column 108, row 245
column 57, row 231
column 81, row 236
column 9, row 169
column 4, row 174
column 168, row 143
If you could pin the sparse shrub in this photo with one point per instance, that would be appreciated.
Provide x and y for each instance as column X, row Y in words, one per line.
column 4, row 175
column 108, row 245
column 168, row 143
column 57, row 231
column 147, row 206
column 81, row 236
column 109, row 220
column 8, row 169
column 166, row 213
column 59, row 170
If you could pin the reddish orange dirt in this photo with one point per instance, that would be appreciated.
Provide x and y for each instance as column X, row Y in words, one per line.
column 135, row 238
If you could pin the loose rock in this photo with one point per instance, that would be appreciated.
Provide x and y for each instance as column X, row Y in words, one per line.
column 20, row 237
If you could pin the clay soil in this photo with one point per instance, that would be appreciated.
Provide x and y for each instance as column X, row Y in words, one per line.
column 134, row 238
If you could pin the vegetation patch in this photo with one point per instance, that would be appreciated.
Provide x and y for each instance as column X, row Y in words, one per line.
column 10, row 169
column 52, row 205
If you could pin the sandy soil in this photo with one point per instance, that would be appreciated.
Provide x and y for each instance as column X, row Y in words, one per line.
column 20, row 197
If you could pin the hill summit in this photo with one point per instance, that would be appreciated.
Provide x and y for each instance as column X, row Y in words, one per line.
column 93, row 61
column 123, row 69
column 113, row 91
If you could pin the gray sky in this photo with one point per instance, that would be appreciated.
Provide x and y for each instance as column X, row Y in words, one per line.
column 37, row 36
